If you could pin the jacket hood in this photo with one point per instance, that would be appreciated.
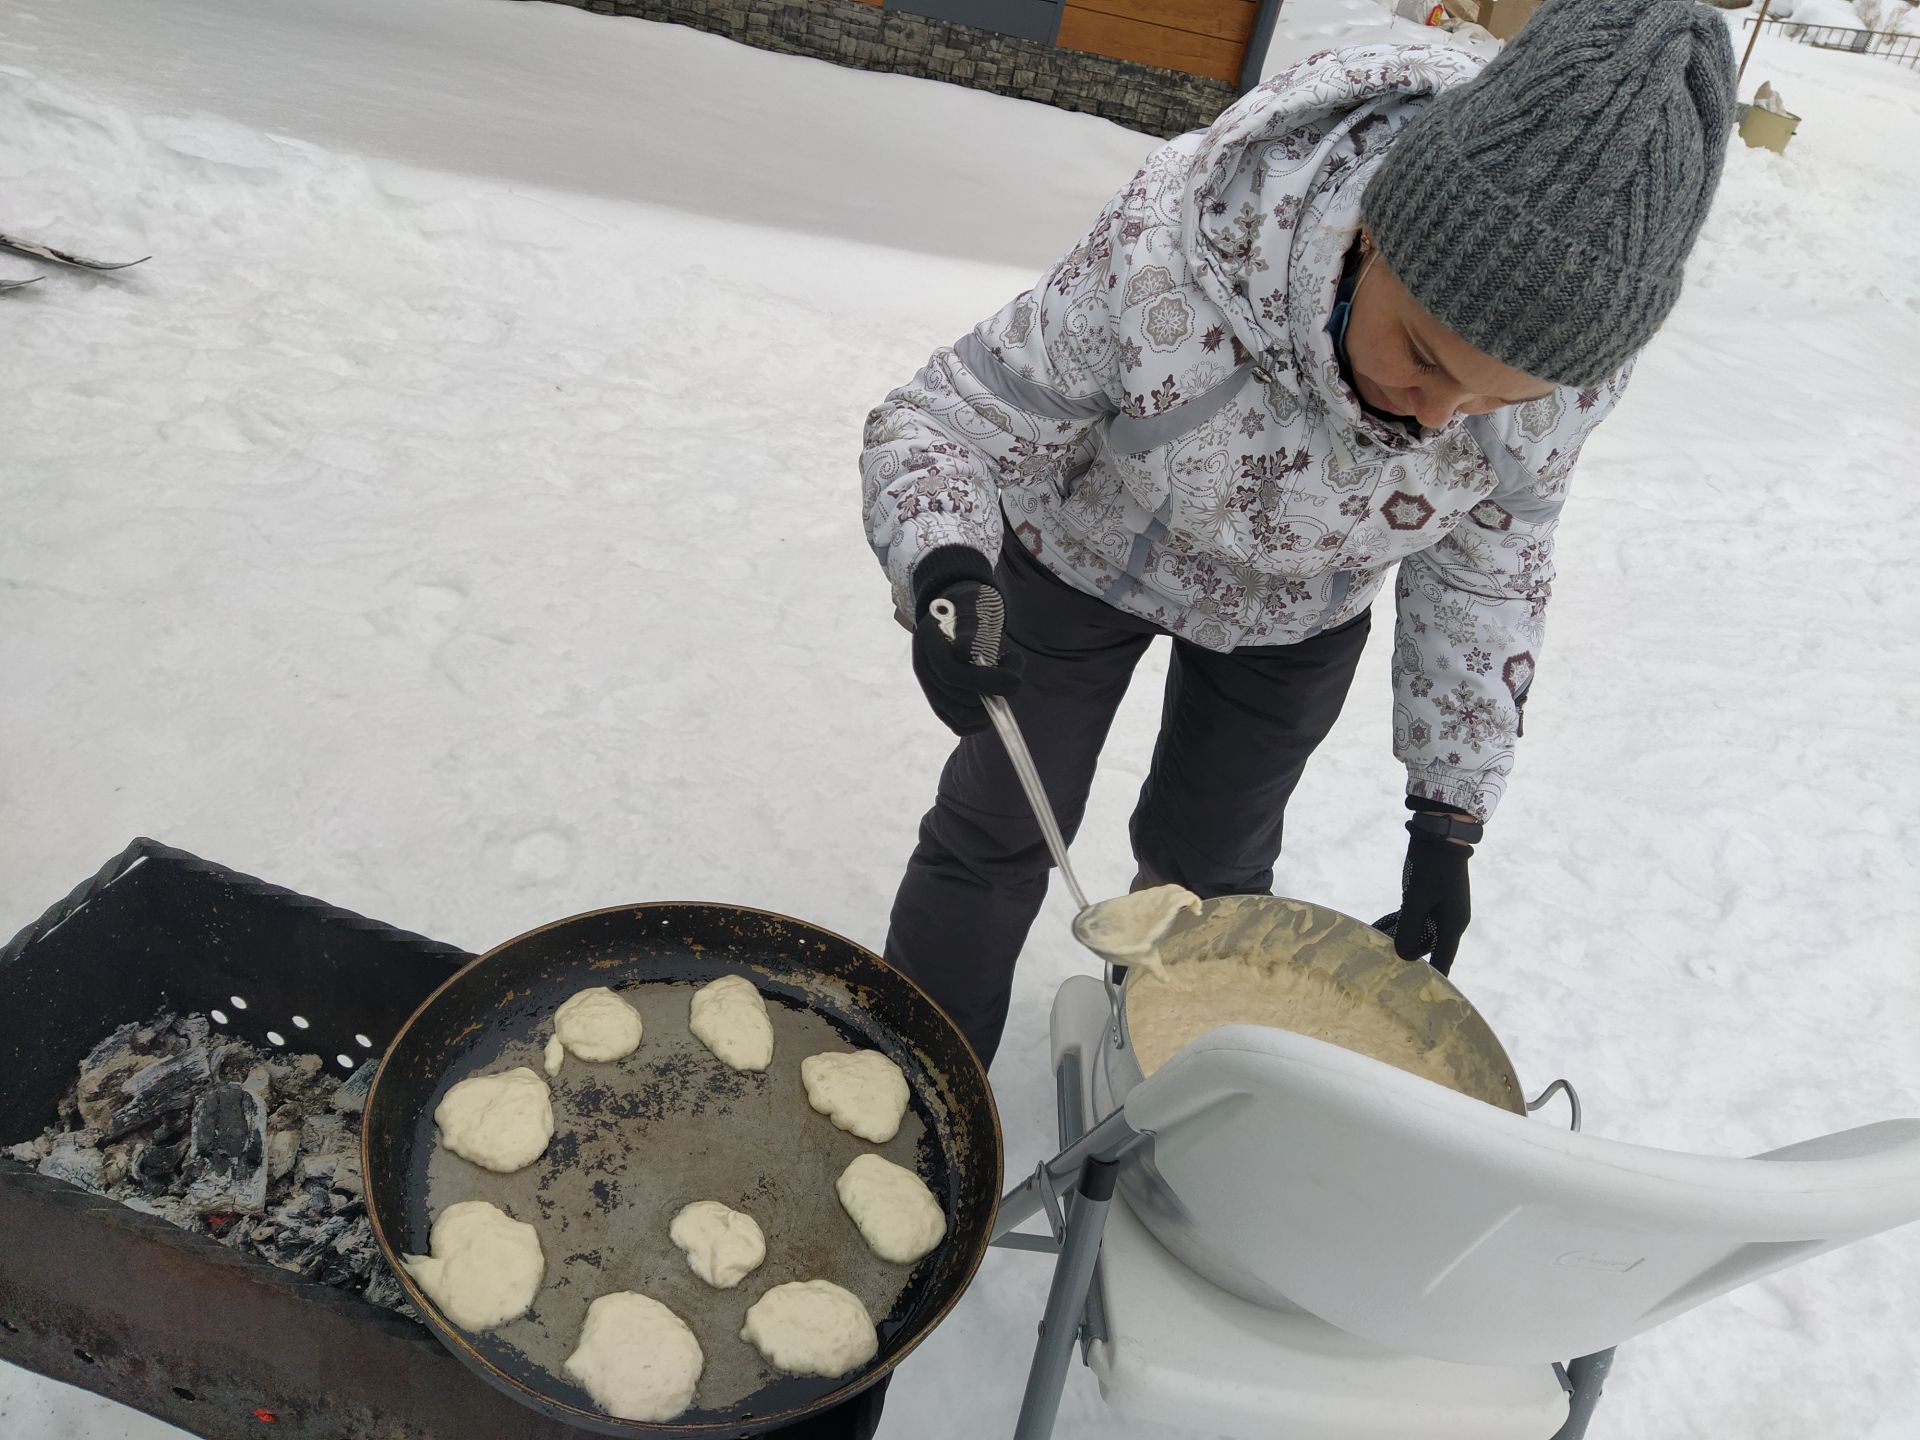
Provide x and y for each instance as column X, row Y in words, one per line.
column 1273, row 202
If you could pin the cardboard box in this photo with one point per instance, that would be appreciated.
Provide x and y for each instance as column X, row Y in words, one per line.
column 1503, row 18
column 1767, row 124
column 1768, row 129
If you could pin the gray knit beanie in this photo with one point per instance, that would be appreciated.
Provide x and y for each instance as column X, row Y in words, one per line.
column 1544, row 211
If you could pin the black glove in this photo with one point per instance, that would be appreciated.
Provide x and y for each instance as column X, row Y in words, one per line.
column 1435, row 901
column 959, row 635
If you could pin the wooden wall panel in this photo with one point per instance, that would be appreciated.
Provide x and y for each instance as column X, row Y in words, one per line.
column 1123, row 38
column 1222, row 19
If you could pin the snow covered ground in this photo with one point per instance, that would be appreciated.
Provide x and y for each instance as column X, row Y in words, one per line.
column 456, row 520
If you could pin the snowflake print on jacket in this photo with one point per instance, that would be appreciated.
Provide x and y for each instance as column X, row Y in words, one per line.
column 1162, row 422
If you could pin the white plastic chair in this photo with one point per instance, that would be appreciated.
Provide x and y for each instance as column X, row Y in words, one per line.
column 1445, row 1256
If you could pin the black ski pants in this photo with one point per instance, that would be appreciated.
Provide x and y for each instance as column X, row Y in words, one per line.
column 1235, row 733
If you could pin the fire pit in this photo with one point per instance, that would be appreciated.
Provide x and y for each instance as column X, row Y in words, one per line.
column 261, row 1151
column 166, row 1004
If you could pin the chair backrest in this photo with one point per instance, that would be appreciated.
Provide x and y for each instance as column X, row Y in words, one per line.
column 1429, row 1222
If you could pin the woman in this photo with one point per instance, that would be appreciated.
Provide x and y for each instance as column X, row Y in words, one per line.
column 1365, row 320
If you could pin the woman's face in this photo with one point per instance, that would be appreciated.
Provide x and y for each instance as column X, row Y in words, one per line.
column 1405, row 362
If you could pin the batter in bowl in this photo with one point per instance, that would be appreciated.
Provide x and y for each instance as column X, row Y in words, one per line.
column 1184, row 1001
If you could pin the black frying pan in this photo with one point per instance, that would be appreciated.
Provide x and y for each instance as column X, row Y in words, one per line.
column 670, row 1124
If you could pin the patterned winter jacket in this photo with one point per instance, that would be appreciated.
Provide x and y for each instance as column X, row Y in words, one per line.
column 1162, row 423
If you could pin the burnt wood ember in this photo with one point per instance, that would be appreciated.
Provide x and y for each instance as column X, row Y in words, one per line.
column 76, row 1159
column 351, row 1097
column 115, row 1060
column 228, row 1171
column 260, row 1152
column 156, row 1162
column 164, row 1086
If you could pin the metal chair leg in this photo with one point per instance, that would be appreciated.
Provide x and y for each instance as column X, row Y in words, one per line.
column 1587, row 1376
column 1086, row 1222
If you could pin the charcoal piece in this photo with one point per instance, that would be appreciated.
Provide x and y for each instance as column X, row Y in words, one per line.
column 159, row 1089
column 329, row 1155
column 293, row 1071
column 170, row 1211
column 114, row 1164
column 351, row 1097
column 260, row 1081
column 155, row 1163
column 319, row 1240
column 283, row 1149
column 383, row 1287
column 228, row 1168
column 76, row 1159
column 115, row 1059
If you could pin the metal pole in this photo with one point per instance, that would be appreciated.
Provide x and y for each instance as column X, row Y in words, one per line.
column 1588, row 1377
column 1257, row 43
column 1751, row 42
column 1066, row 1301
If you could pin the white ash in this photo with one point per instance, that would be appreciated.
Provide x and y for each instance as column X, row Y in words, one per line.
column 259, row 1151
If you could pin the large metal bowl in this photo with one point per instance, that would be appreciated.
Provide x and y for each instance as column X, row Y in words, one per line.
column 1354, row 956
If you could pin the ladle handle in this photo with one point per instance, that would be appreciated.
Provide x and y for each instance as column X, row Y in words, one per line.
column 1001, row 714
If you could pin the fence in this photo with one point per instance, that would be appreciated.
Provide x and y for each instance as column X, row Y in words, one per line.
column 1901, row 49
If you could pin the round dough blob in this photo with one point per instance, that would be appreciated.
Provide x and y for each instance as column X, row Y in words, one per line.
column 485, row 1265
column 636, row 1358
column 861, row 1091
column 555, row 1055
column 597, row 1025
column 811, row 1327
column 723, row 1246
column 502, row 1122
column 893, row 1208
column 730, row 1019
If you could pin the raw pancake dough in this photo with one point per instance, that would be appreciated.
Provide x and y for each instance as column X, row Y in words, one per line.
column 556, row 1054
column 1165, row 1012
column 723, row 1246
column 730, row 1019
column 501, row 1122
column 893, row 1208
column 861, row 1091
column 485, row 1265
column 1128, row 928
column 636, row 1358
column 597, row 1025
column 811, row 1327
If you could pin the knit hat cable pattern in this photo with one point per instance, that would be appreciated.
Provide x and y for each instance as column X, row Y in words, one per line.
column 1545, row 211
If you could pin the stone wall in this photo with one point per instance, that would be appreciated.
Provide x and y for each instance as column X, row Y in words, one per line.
column 1141, row 97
